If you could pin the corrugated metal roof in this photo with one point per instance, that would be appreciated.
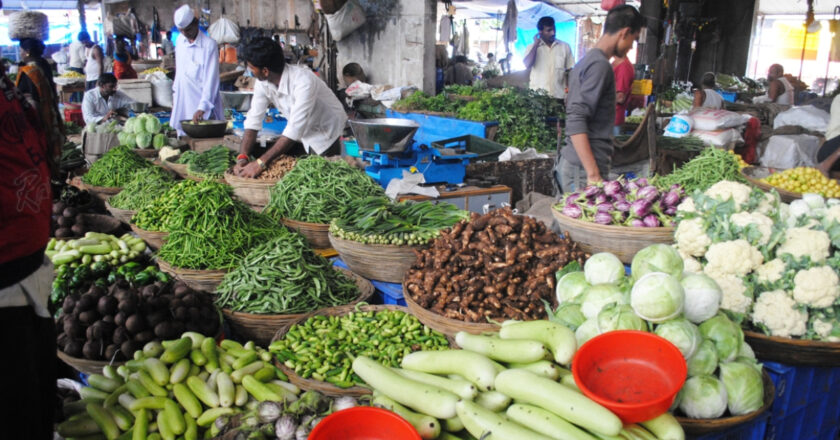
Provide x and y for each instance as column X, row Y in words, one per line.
column 795, row 7
column 585, row 7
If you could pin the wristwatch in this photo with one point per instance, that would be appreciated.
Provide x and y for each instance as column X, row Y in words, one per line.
column 262, row 164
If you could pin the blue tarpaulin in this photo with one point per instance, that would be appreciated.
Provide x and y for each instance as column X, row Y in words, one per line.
column 59, row 33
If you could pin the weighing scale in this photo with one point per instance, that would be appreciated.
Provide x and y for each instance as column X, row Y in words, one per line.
column 388, row 144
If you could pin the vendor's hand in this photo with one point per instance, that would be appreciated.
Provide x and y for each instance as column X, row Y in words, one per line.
column 593, row 178
column 240, row 165
column 250, row 170
column 198, row 116
column 109, row 115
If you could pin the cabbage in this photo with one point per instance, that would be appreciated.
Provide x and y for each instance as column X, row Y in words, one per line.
column 570, row 287
column 152, row 124
column 596, row 297
column 568, row 314
column 702, row 297
column 619, row 317
column 603, row 268
column 130, row 139
column 726, row 335
column 129, row 125
column 744, row 387
column 656, row 258
column 704, row 361
column 587, row 331
column 159, row 141
column 746, row 351
column 682, row 333
column 144, row 140
column 703, row 397
column 657, row 297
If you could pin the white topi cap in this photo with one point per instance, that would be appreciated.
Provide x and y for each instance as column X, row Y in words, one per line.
column 184, row 16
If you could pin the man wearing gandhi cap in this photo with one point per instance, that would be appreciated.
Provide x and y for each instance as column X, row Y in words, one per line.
column 196, row 87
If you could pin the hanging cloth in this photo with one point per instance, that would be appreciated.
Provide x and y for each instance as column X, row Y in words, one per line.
column 464, row 43
column 445, row 28
column 509, row 25
column 155, row 26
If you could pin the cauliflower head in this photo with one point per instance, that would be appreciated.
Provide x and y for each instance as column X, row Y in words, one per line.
column 802, row 242
column 691, row 237
column 771, row 271
column 769, row 204
column 727, row 189
column 763, row 223
column 824, row 329
column 690, row 264
column 832, row 215
column 777, row 311
column 687, row 206
column 816, row 287
column 736, row 298
column 736, row 257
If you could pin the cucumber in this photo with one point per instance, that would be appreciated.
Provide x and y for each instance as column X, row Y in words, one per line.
column 462, row 388
column 104, row 419
column 542, row 368
column 559, row 399
column 141, row 425
column 208, row 417
column 487, row 425
column 415, row 395
column 665, row 427
column 208, row 349
column 179, row 371
column 227, row 391
column 249, row 369
column 78, row 427
column 196, row 338
column 502, row 349
column 203, row 392
column 123, row 418
column 174, row 417
column 473, row 367
column 453, row 424
column 177, row 351
column 546, row 423
column 187, row 399
column 164, row 429
column 92, row 394
column 198, row 358
column 259, row 390
column 428, row 427
column 151, row 385
column 157, row 370
column 240, row 396
column 559, row 339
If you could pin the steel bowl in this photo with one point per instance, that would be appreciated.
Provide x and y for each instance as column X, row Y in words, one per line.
column 212, row 128
column 384, row 135
column 239, row 101
column 138, row 107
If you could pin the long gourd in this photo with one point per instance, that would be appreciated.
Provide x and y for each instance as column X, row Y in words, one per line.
column 558, row 338
column 546, row 422
column 473, row 367
column 501, row 349
column 487, row 425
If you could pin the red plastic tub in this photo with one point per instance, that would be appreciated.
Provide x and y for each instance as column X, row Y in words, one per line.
column 634, row 374
column 364, row 423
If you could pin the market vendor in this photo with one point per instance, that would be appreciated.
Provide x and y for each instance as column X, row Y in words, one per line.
column 590, row 105
column 196, row 93
column 316, row 118
column 828, row 150
column 549, row 60
column 104, row 102
column 707, row 96
column 779, row 89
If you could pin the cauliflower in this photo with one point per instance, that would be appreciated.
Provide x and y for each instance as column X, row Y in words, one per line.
column 771, row 271
column 687, row 205
column 768, row 204
column 726, row 189
column 691, row 237
column 816, row 287
column 825, row 329
column 737, row 257
column 761, row 221
column 802, row 242
column 690, row 264
column 735, row 295
column 832, row 215
column 776, row 310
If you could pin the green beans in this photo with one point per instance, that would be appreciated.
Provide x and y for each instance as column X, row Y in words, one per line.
column 116, row 168
column 155, row 215
column 210, row 230
column 317, row 190
column 375, row 220
column 284, row 276
column 146, row 185
column 709, row 167
column 323, row 347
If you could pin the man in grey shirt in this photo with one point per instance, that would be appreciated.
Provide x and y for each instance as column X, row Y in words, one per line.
column 590, row 105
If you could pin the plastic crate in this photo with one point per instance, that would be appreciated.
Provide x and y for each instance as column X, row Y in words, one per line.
column 351, row 148
column 752, row 430
column 434, row 128
column 806, row 404
column 487, row 150
column 728, row 96
column 641, row 87
column 389, row 293
column 74, row 115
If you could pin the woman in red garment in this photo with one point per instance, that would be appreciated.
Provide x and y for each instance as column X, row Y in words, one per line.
column 624, row 75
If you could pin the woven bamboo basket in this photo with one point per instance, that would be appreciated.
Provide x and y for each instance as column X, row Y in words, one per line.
column 254, row 192
column 123, row 215
column 316, row 233
column 379, row 262
column 447, row 326
column 86, row 366
column 101, row 192
column 622, row 241
column 153, row 239
column 317, row 385
column 794, row 351
column 697, row 427
column 205, row 280
column 177, row 168
column 261, row 328
column 146, row 152
column 753, row 174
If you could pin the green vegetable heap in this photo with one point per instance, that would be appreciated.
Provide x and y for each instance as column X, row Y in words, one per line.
column 521, row 113
column 317, row 190
column 116, row 168
column 711, row 166
column 210, row 164
column 323, row 347
column 146, row 186
column 143, row 132
column 211, row 230
column 154, row 216
column 375, row 220
column 284, row 276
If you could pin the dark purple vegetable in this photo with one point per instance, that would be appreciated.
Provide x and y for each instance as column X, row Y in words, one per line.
column 603, row 218
column 651, row 221
column 572, row 210
column 640, row 208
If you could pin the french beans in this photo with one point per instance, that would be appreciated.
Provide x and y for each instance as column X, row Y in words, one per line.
column 711, row 166
column 147, row 185
column 115, row 168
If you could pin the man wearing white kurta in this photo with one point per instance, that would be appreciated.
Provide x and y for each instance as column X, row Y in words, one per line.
column 315, row 116
column 196, row 94
column 549, row 59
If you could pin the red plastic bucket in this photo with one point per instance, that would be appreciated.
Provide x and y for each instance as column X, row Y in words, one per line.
column 364, row 423
column 634, row 374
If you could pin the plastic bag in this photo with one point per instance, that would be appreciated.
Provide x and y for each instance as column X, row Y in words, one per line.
column 807, row 117
column 711, row 119
column 609, row 4
column 346, row 20
column 719, row 138
column 161, row 89
column 679, row 126
column 224, row 31
column 358, row 90
column 790, row 151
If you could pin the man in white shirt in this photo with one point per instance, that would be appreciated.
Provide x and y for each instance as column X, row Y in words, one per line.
column 77, row 52
column 103, row 103
column 316, row 118
column 196, row 94
column 549, row 60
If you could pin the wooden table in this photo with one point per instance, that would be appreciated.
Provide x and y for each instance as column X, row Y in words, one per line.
column 66, row 91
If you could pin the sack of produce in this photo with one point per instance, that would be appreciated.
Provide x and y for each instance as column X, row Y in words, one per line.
column 224, row 31
column 790, row 151
column 95, row 145
column 807, row 117
column 711, row 119
column 346, row 20
column 29, row 24
column 679, row 126
column 719, row 138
